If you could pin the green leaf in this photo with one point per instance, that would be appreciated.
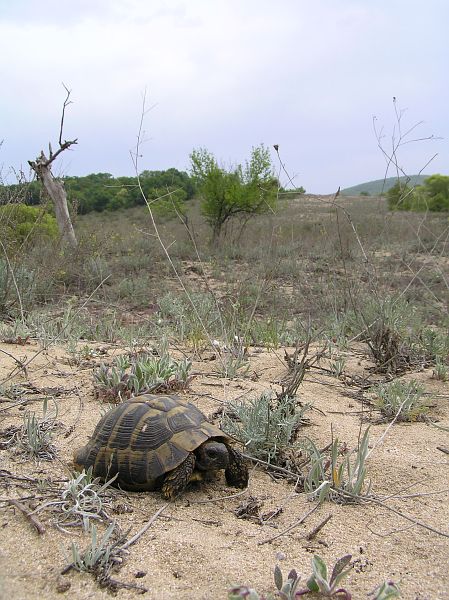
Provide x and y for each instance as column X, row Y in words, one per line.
column 319, row 566
column 320, row 573
column 312, row 584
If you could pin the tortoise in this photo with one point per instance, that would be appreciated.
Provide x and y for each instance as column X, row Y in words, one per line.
column 159, row 441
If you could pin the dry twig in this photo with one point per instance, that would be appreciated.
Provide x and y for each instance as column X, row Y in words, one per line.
column 33, row 520
column 147, row 525
column 290, row 527
column 318, row 528
column 395, row 511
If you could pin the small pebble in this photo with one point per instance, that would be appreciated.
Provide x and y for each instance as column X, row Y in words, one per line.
column 139, row 574
column 63, row 585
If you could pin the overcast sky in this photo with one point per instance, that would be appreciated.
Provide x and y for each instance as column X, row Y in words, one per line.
column 226, row 75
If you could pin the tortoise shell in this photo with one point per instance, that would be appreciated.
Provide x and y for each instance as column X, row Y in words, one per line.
column 144, row 438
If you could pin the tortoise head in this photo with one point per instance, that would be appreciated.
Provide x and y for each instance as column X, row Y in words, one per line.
column 80, row 458
column 211, row 456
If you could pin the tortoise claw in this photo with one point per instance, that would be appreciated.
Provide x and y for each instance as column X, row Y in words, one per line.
column 176, row 481
column 237, row 473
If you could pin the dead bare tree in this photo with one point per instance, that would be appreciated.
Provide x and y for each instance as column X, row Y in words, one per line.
column 55, row 187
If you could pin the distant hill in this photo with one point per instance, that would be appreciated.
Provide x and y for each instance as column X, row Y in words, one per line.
column 374, row 188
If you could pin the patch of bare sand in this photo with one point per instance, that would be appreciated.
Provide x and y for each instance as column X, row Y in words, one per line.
column 197, row 550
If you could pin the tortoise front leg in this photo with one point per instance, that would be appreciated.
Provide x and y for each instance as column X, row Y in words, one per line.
column 176, row 481
column 237, row 472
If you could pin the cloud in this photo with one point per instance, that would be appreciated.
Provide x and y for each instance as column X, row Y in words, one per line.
column 226, row 75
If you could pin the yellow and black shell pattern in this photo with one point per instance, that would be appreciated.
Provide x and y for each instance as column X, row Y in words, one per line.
column 144, row 438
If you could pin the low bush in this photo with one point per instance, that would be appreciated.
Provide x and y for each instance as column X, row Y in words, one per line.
column 19, row 223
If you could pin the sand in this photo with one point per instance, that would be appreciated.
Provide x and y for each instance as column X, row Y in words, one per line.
column 198, row 547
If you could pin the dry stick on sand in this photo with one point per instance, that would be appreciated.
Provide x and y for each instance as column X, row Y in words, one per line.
column 19, row 363
column 417, row 495
column 33, row 520
column 18, row 403
column 393, row 510
column 220, row 498
column 290, row 527
column 147, row 525
column 318, row 528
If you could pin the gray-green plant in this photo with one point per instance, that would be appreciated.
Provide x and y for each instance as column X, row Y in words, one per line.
column 143, row 372
column 106, row 329
column 36, row 435
column 441, row 371
column 70, row 325
column 386, row 591
column 110, row 381
column 341, row 480
column 82, row 498
column 242, row 591
column 337, row 329
column 190, row 321
column 404, row 401
column 270, row 333
column 16, row 330
column 96, row 269
column 390, row 326
column 78, row 354
column 287, row 590
column 232, row 361
column 67, row 326
column 17, row 287
column 337, row 366
column 392, row 312
column 97, row 555
column 264, row 424
column 327, row 585
column 150, row 372
column 434, row 343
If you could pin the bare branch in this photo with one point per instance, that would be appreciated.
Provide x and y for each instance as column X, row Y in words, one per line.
column 67, row 101
column 33, row 520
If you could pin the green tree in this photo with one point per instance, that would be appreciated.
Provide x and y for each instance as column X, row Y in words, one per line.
column 244, row 191
column 436, row 190
column 399, row 196
column 432, row 195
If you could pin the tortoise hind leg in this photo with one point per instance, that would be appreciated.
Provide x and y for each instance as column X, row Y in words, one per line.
column 176, row 481
column 237, row 472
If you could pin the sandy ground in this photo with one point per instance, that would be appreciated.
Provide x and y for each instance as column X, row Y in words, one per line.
column 198, row 547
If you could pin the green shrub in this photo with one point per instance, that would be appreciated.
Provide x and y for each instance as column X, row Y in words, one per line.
column 19, row 222
column 399, row 196
column 432, row 195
